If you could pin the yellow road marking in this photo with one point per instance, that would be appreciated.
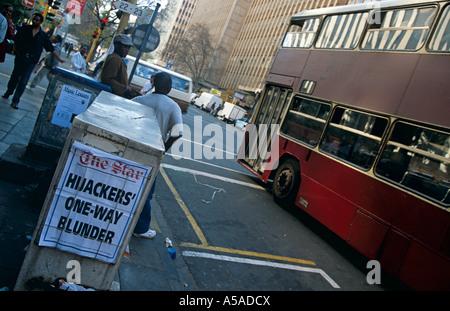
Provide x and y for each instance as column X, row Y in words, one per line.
column 183, row 206
column 202, row 238
column 248, row 253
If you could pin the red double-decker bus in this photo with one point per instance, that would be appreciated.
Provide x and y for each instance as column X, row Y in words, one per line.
column 361, row 94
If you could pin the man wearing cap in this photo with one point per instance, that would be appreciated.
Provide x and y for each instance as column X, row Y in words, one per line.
column 114, row 72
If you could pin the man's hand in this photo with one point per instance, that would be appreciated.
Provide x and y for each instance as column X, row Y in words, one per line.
column 131, row 93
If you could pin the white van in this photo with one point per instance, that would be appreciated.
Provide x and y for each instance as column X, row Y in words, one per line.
column 231, row 112
column 207, row 100
column 181, row 84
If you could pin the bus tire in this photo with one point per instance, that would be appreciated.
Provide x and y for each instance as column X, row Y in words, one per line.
column 286, row 183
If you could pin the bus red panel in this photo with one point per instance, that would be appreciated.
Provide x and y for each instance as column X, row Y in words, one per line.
column 424, row 270
column 429, row 88
column 377, row 80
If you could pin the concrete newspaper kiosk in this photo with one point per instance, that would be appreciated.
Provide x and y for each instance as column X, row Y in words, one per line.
column 108, row 165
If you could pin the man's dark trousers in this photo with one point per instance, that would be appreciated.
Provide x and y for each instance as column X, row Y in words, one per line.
column 23, row 67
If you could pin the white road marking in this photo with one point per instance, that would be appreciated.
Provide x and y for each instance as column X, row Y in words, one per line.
column 262, row 263
column 218, row 177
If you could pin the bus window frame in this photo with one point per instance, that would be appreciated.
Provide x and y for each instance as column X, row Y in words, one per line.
column 381, row 139
column 437, row 22
column 371, row 28
column 408, row 149
column 358, row 41
column 290, row 109
column 297, row 23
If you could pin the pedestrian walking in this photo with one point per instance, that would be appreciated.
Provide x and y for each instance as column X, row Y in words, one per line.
column 78, row 61
column 30, row 40
column 70, row 48
column 50, row 62
column 168, row 115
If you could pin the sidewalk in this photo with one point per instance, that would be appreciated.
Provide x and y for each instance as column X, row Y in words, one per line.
column 149, row 266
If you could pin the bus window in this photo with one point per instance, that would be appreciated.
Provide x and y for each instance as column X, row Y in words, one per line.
column 342, row 31
column 400, row 30
column 301, row 35
column 419, row 159
column 441, row 37
column 306, row 121
column 354, row 137
column 180, row 84
column 144, row 71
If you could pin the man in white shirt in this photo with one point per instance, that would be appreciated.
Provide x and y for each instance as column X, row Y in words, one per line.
column 78, row 62
column 168, row 115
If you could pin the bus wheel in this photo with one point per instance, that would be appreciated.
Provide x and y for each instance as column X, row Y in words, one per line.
column 286, row 182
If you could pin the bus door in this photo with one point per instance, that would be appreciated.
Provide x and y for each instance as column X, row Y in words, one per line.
column 269, row 113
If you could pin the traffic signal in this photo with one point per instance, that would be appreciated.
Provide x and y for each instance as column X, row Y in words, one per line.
column 50, row 15
column 104, row 21
column 95, row 34
column 55, row 5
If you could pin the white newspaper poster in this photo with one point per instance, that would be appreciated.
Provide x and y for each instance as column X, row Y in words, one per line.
column 94, row 203
column 71, row 103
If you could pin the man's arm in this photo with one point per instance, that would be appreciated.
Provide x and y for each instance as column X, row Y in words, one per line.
column 55, row 54
column 170, row 142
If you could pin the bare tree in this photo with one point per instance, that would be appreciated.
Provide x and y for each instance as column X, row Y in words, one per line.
column 194, row 52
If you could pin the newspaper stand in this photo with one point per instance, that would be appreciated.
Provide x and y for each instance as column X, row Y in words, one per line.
column 107, row 167
column 68, row 94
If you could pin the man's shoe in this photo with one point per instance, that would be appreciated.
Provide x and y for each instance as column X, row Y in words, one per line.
column 5, row 96
column 15, row 105
column 150, row 234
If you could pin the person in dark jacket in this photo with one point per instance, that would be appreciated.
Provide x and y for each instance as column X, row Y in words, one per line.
column 114, row 72
column 50, row 62
column 29, row 42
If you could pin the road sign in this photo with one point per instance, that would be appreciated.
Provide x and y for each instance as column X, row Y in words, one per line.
column 129, row 8
column 146, row 38
column 28, row 3
column 138, row 37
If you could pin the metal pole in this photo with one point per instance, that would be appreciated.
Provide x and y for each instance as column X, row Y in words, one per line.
column 144, row 41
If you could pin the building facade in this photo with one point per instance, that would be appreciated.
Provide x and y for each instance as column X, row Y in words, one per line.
column 178, row 27
column 261, row 34
column 245, row 34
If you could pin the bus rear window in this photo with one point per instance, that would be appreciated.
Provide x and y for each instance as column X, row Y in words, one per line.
column 400, row 30
column 418, row 158
column 354, row 137
column 301, row 35
column 306, row 121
